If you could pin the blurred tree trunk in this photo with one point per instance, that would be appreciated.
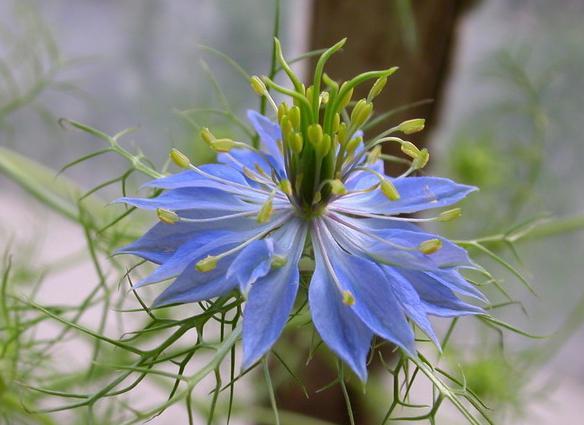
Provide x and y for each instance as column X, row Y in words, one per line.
column 418, row 36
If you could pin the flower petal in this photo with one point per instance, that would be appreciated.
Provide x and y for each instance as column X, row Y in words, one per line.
column 253, row 262
column 191, row 178
column 375, row 303
column 438, row 299
column 416, row 194
column 338, row 325
column 269, row 133
column 271, row 298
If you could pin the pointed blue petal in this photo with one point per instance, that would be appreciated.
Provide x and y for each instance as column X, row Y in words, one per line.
column 439, row 300
column 190, row 178
column 453, row 280
column 192, row 198
column 375, row 302
column 269, row 133
column 253, row 262
column 410, row 301
column 193, row 286
column 416, row 194
column 271, row 298
column 337, row 324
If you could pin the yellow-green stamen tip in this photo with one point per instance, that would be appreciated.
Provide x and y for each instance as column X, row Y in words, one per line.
column 377, row 88
column 410, row 149
column 207, row 264
column 389, row 190
column 430, row 246
column 422, row 159
column 286, row 187
column 258, row 85
column 361, row 113
column 179, row 158
column 450, row 215
column 223, row 145
column 337, row 187
column 167, row 216
column 265, row 212
column 315, row 134
column 278, row 261
column 207, row 136
column 412, row 126
column 348, row 298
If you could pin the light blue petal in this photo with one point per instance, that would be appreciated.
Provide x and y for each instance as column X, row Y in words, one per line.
column 193, row 286
column 337, row 324
column 240, row 158
column 190, row 178
column 416, row 194
column 269, row 133
column 272, row 297
column 410, row 301
column 253, row 262
column 192, row 198
column 438, row 299
column 375, row 302
column 453, row 280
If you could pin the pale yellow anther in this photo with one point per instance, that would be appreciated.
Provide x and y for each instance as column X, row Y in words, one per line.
column 337, row 187
column 265, row 212
column 258, row 85
column 324, row 97
column 410, row 149
column 336, row 121
column 450, row 215
column 389, row 190
column 412, row 126
column 348, row 298
column 361, row 113
column 278, row 261
column 207, row 136
column 207, row 264
column 167, row 216
column 430, row 246
column 179, row 158
column 286, row 187
column 224, row 145
column 421, row 160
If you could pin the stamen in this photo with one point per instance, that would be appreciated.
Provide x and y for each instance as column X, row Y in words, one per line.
column 412, row 126
column 278, row 261
column 179, row 158
column 259, row 87
column 210, row 262
column 430, row 246
column 167, row 216
column 450, row 215
column 266, row 210
column 348, row 297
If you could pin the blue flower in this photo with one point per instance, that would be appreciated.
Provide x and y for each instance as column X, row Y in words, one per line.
column 245, row 222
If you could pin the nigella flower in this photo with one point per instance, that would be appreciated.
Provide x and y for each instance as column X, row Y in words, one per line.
column 315, row 188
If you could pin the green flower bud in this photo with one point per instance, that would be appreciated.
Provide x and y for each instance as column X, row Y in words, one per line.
column 258, row 85
column 179, row 158
column 389, row 190
column 377, row 88
column 412, row 126
column 315, row 134
column 294, row 117
column 167, row 216
column 207, row 264
column 346, row 99
column 282, row 111
column 430, row 246
column 296, row 142
column 450, row 215
column 361, row 113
